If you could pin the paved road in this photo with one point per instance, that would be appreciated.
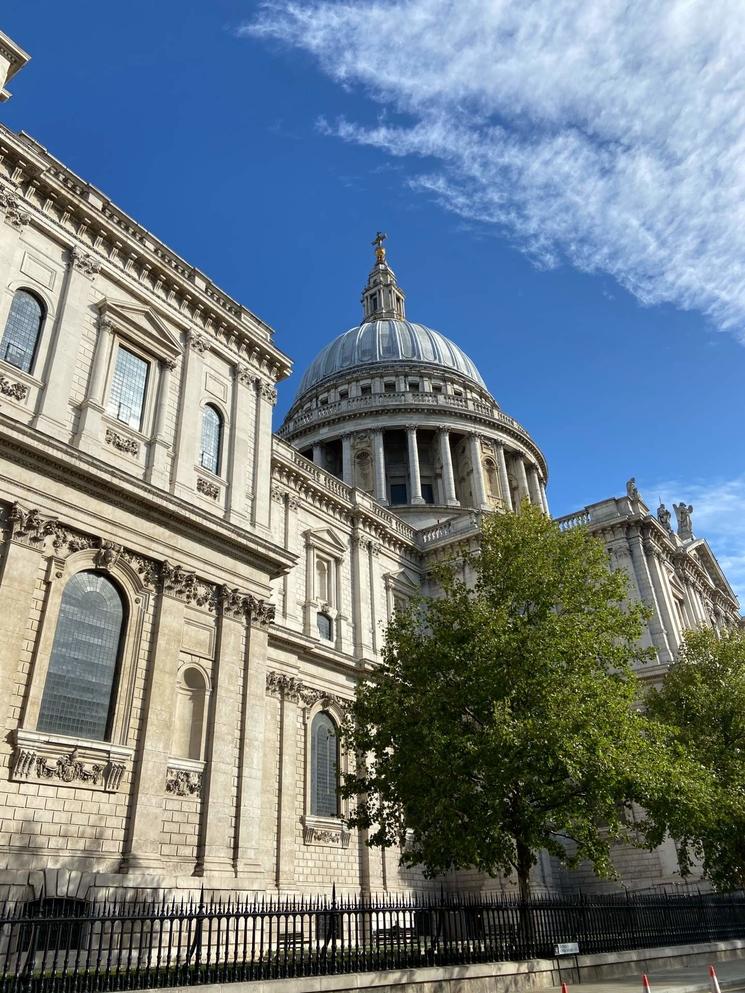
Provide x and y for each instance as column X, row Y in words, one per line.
column 691, row 979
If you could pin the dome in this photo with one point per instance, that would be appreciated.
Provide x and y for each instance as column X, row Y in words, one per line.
column 388, row 341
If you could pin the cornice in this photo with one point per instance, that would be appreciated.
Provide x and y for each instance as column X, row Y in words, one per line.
column 73, row 468
column 55, row 199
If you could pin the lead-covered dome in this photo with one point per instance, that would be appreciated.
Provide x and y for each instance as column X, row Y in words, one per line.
column 388, row 341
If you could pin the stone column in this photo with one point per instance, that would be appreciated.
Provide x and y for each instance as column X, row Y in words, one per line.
column 143, row 848
column 18, row 576
column 448, row 480
column 646, row 590
column 158, row 470
column 189, row 422
column 544, row 498
column 479, row 491
column 250, row 777
column 347, row 471
column 379, row 465
column 266, row 397
column 664, row 599
column 217, row 850
column 53, row 410
column 534, row 487
column 88, row 433
column 522, row 479
column 415, row 481
column 239, row 447
column 287, row 787
column 318, row 454
column 504, row 479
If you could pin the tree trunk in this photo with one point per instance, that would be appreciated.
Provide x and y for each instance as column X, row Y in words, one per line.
column 524, row 865
column 526, row 931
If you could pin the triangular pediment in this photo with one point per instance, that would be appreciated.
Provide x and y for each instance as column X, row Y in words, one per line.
column 327, row 540
column 142, row 324
column 404, row 581
column 700, row 551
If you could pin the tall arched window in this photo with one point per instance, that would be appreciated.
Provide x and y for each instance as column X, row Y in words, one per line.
column 211, row 438
column 324, row 764
column 79, row 688
column 22, row 329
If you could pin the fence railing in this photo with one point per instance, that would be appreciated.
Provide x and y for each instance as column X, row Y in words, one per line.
column 68, row 945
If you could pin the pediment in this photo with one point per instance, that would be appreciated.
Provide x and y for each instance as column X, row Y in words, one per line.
column 327, row 540
column 404, row 581
column 702, row 554
column 141, row 324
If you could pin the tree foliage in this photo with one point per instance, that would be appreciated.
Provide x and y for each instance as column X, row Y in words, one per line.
column 701, row 706
column 502, row 720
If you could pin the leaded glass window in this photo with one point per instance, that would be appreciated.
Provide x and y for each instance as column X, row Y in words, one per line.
column 324, row 751
column 21, row 334
column 325, row 626
column 127, row 394
column 80, row 680
column 211, row 438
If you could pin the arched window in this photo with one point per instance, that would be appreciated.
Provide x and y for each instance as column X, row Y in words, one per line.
column 324, row 764
column 189, row 723
column 325, row 626
column 211, row 438
column 79, row 688
column 22, row 329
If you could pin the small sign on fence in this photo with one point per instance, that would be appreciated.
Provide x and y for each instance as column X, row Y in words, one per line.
column 568, row 948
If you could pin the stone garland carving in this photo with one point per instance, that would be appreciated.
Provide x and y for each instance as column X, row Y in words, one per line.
column 17, row 391
column 183, row 585
column 279, row 684
column 11, row 206
column 182, row 782
column 324, row 836
column 31, row 528
column 130, row 446
column 233, row 603
column 29, row 765
column 208, row 488
column 147, row 569
column 85, row 262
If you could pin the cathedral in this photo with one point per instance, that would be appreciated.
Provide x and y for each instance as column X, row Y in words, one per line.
column 188, row 599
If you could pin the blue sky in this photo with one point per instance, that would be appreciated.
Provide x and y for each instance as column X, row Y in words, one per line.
column 563, row 193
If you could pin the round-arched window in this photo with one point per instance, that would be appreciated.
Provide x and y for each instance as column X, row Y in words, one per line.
column 324, row 758
column 79, row 689
column 22, row 330
column 211, row 438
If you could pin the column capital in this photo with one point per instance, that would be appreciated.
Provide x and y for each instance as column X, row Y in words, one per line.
column 412, row 428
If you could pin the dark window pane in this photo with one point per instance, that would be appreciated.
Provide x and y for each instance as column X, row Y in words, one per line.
column 323, row 758
column 80, row 681
column 398, row 493
column 22, row 330
column 428, row 493
column 325, row 626
column 211, row 438
column 127, row 396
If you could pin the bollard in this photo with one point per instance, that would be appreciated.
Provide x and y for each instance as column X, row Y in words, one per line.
column 645, row 983
column 713, row 981
column 565, row 988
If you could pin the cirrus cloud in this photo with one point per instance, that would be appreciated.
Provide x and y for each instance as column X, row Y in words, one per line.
column 608, row 135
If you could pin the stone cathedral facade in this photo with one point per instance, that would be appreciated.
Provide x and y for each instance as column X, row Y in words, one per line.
column 187, row 599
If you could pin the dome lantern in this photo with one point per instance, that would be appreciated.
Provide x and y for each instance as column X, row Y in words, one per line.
column 381, row 298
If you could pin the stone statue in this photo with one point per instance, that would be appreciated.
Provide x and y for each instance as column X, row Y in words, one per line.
column 683, row 514
column 663, row 516
column 631, row 491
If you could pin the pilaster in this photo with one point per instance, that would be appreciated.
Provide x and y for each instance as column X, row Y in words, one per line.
column 239, row 447
column 159, row 462
column 53, row 412
column 347, row 471
column 266, row 397
column 18, row 576
column 192, row 377
column 88, row 433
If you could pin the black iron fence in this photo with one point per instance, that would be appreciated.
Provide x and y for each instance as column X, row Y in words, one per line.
column 56, row 945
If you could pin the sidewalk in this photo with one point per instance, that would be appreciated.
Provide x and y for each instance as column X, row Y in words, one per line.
column 690, row 979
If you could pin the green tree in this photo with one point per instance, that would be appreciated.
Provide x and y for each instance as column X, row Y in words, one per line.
column 502, row 720
column 701, row 705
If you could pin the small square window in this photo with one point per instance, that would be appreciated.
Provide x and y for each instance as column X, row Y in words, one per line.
column 323, row 401
column 437, row 387
column 413, row 386
column 343, row 394
column 366, row 390
column 325, row 626
column 389, row 387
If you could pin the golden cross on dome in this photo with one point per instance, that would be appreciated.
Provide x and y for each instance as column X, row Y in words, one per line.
column 378, row 243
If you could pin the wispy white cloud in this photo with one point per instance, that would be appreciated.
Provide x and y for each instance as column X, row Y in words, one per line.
column 718, row 516
column 611, row 135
